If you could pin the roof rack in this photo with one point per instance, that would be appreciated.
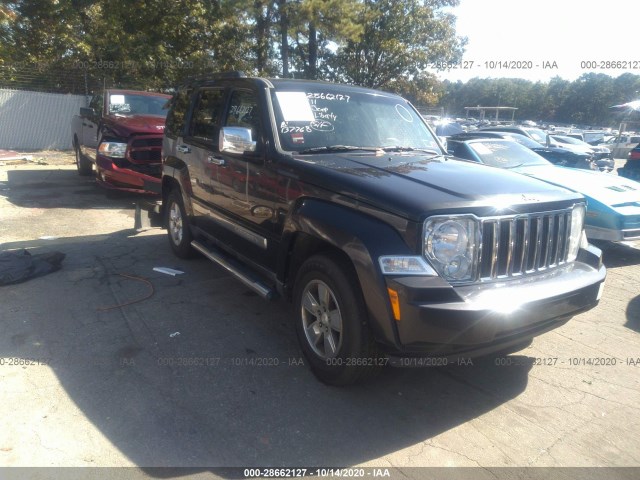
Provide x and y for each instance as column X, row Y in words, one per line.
column 216, row 76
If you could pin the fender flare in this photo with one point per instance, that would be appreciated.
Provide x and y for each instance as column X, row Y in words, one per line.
column 176, row 170
column 363, row 239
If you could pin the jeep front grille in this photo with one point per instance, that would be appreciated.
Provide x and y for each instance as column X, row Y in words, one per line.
column 523, row 244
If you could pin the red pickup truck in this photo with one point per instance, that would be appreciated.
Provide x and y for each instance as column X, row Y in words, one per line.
column 121, row 134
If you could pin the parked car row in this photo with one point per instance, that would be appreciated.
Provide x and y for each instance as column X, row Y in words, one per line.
column 569, row 147
column 600, row 157
column 556, row 155
column 613, row 202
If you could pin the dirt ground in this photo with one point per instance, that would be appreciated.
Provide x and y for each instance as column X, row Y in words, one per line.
column 41, row 157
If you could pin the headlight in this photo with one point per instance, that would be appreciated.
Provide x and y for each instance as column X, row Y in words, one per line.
column 450, row 245
column 577, row 226
column 113, row 149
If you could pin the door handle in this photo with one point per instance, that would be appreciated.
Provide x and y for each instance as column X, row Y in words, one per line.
column 215, row 160
column 183, row 149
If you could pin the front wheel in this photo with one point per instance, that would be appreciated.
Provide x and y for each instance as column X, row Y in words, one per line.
column 331, row 322
column 177, row 223
column 82, row 163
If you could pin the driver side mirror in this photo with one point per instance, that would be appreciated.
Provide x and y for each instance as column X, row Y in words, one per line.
column 548, row 140
column 236, row 140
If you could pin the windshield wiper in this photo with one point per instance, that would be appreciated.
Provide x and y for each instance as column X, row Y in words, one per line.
column 337, row 148
column 514, row 166
column 410, row 149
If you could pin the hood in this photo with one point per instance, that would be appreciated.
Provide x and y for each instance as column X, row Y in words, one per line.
column 605, row 188
column 125, row 126
column 558, row 152
column 565, row 152
column 411, row 185
column 573, row 148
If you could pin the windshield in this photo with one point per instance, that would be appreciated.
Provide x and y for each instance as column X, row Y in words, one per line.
column 593, row 137
column 569, row 140
column 131, row 104
column 330, row 118
column 522, row 140
column 499, row 153
column 537, row 134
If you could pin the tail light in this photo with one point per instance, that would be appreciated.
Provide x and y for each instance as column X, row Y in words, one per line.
column 634, row 154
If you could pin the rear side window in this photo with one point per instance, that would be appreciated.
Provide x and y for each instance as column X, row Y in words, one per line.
column 179, row 105
column 459, row 150
column 205, row 120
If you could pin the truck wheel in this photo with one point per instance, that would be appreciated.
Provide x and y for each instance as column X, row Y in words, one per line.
column 84, row 166
column 177, row 223
column 331, row 322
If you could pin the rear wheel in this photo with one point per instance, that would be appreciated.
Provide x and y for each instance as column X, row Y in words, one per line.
column 177, row 223
column 82, row 163
column 331, row 322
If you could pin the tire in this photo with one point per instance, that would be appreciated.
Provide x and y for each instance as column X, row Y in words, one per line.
column 177, row 223
column 83, row 165
column 630, row 173
column 331, row 322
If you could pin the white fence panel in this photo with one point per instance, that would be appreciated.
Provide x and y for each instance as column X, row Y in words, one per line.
column 36, row 120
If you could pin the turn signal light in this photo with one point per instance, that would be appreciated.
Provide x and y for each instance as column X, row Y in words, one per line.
column 395, row 303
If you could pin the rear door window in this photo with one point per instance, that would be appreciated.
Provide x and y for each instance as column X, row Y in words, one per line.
column 205, row 119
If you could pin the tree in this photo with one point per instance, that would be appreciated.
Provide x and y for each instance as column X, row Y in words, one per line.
column 400, row 39
column 7, row 17
column 626, row 88
column 263, row 17
column 314, row 26
column 422, row 90
column 150, row 44
column 588, row 99
column 284, row 37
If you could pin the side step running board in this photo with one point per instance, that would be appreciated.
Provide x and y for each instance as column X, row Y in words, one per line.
column 242, row 274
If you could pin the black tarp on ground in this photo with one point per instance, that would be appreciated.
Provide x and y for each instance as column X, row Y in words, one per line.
column 20, row 266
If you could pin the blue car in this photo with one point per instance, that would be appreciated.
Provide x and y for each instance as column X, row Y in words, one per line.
column 613, row 202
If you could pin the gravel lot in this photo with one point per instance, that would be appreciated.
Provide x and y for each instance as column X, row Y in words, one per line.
column 205, row 374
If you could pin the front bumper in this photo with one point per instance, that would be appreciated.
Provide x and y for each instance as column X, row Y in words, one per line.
column 125, row 179
column 605, row 163
column 481, row 318
column 612, row 235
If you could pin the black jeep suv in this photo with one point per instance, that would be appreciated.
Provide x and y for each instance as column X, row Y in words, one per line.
column 341, row 200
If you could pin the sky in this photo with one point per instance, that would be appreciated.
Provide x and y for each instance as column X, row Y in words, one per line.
column 569, row 37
